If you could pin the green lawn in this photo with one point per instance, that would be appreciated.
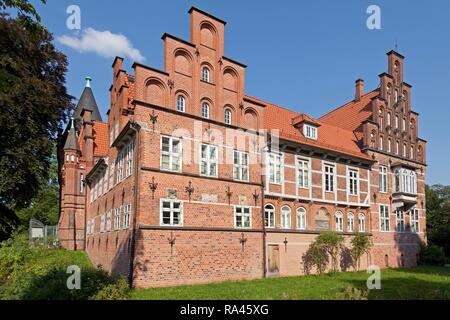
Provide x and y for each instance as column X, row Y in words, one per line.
column 417, row 283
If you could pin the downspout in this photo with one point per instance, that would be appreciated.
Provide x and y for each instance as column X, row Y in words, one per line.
column 133, row 231
column 263, row 216
column 85, row 212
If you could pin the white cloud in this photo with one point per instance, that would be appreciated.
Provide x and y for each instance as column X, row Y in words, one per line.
column 104, row 43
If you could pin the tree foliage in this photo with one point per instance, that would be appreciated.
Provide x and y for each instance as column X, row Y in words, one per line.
column 361, row 244
column 438, row 216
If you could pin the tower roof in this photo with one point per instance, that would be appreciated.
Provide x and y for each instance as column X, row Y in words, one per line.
column 87, row 102
column 72, row 140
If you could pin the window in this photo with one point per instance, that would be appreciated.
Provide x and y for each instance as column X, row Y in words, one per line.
column 242, row 217
column 111, row 174
column 389, row 145
column 301, row 218
column 329, row 178
column 171, row 213
column 362, row 222
column 411, row 152
column 129, row 161
column 95, row 189
column 405, row 181
column 119, row 176
column 285, row 217
column 383, row 179
column 227, row 116
column 81, row 183
column 102, row 223
column 208, row 163
column 274, row 162
column 414, row 214
column 205, row 110
column 126, row 216
column 269, row 216
column 404, row 124
column 400, row 219
column 388, row 119
column 397, row 147
column 100, row 185
column 170, row 153
column 205, row 74
column 350, row 222
column 240, row 166
column 380, row 144
column 116, row 218
column 396, row 96
column 88, row 227
column 353, row 182
column 93, row 225
column 404, row 150
column 108, row 221
column 385, row 222
column 105, row 178
column 181, row 103
column 310, row 132
column 303, row 173
column 339, row 221
column 396, row 121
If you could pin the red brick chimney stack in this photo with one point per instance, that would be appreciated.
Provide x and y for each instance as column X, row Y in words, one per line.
column 359, row 89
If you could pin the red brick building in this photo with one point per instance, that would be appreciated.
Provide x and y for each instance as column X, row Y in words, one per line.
column 190, row 180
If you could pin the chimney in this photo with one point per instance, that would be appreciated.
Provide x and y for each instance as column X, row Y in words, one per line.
column 359, row 89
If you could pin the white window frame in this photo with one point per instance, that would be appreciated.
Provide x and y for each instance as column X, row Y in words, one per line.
column 286, row 217
column 399, row 220
column 330, row 176
column 244, row 216
column 304, row 172
column 353, row 181
column 117, row 219
column 275, row 167
column 414, row 220
column 350, row 222
column 171, row 210
column 205, row 74
column 126, row 216
column 171, row 154
column 129, row 159
column 269, row 216
column 227, row 116
column 361, row 222
column 208, row 161
column 181, row 103
column 385, row 219
column 339, row 221
column 205, row 110
column 111, row 174
column 301, row 218
column 119, row 176
column 239, row 167
column 310, row 131
column 383, row 179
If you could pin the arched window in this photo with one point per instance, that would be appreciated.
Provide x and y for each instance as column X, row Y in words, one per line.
column 227, row 116
column 181, row 103
column 301, row 218
column 205, row 74
column 388, row 118
column 205, row 110
column 404, row 124
column 404, row 150
column 396, row 96
column 339, row 221
column 411, row 152
column 285, row 217
column 269, row 216
column 397, row 147
column 389, row 145
column 380, row 144
column 362, row 222
column 396, row 121
column 350, row 222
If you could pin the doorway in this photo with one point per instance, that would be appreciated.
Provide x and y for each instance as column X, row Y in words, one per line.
column 274, row 259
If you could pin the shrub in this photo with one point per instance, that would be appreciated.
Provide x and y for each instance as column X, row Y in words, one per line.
column 352, row 294
column 332, row 243
column 431, row 255
column 115, row 291
column 361, row 244
column 317, row 257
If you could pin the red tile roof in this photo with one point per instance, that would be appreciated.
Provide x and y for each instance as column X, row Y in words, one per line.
column 351, row 115
column 330, row 137
column 100, row 132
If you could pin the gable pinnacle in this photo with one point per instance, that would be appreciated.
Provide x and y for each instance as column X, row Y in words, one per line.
column 88, row 81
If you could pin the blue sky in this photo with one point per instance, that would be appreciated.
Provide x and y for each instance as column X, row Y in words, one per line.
column 304, row 55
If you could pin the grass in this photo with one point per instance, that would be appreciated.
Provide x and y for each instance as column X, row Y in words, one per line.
column 424, row 282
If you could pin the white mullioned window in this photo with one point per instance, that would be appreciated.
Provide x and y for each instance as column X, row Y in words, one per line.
column 350, row 222
column 119, row 176
column 285, row 217
column 205, row 74
column 116, row 218
column 88, row 227
column 301, row 218
column 242, row 217
column 310, row 132
column 208, row 160
column 127, row 216
column 181, row 103
column 362, row 222
column 171, row 212
column 205, row 110
column 414, row 220
column 105, row 178
column 385, row 220
column 329, row 177
column 274, row 167
column 102, row 223
column 353, row 182
column 111, row 174
column 108, row 221
column 405, row 181
column 400, row 219
column 383, row 178
column 171, row 153
column 129, row 159
column 303, row 173
column 227, row 116
column 240, row 166
column 269, row 216
column 339, row 221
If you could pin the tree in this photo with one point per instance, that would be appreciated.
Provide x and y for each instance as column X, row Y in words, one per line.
column 361, row 244
column 332, row 243
column 438, row 216
column 34, row 104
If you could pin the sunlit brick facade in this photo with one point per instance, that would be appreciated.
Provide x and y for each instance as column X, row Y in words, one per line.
column 190, row 180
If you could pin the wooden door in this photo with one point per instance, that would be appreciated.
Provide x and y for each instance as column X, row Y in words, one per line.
column 274, row 259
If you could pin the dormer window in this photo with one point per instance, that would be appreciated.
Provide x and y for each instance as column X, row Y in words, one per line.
column 310, row 131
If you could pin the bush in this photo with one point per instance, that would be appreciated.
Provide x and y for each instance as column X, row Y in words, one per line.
column 431, row 255
column 41, row 273
column 352, row 294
